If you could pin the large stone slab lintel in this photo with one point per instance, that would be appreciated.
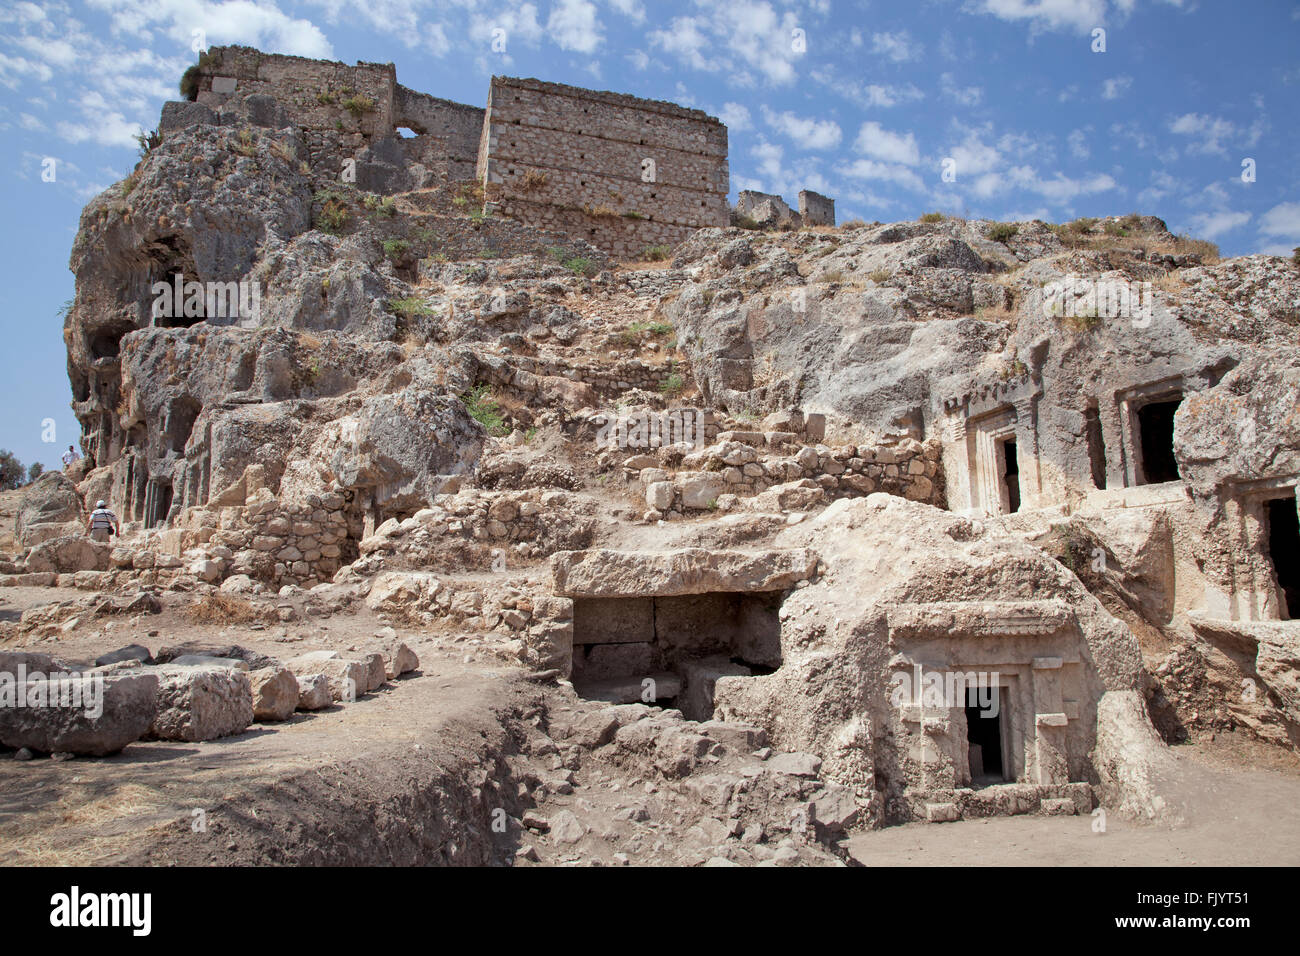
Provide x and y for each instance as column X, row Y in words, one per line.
column 600, row 572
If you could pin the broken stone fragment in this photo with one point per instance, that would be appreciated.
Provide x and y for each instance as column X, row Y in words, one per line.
column 132, row 652
column 100, row 726
column 347, row 679
column 201, row 703
column 275, row 693
column 795, row 764
column 313, row 692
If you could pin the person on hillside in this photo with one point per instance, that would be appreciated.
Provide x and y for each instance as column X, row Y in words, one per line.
column 102, row 522
column 70, row 457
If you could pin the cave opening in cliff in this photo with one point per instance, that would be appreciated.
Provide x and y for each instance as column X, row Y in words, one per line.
column 180, row 423
column 1284, row 550
column 106, row 344
column 671, row 650
column 1155, row 422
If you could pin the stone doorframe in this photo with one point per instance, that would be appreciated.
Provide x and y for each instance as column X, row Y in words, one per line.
column 1033, row 677
column 976, row 426
column 1129, row 402
column 1253, row 593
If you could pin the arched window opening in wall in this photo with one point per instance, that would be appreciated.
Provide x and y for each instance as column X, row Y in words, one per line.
column 406, row 132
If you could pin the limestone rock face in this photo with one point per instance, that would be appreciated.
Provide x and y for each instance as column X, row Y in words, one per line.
column 398, row 660
column 393, row 590
column 1244, row 427
column 69, row 554
column 50, row 508
column 398, row 449
column 100, row 726
column 201, row 702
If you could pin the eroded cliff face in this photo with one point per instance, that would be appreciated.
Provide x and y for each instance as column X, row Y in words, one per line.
column 232, row 301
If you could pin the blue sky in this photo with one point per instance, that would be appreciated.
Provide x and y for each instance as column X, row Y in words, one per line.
column 863, row 101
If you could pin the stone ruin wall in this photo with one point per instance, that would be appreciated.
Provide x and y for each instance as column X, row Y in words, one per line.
column 768, row 210
column 569, row 159
column 816, row 209
column 315, row 91
column 551, row 156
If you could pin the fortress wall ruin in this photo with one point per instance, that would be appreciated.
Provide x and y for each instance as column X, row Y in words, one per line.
column 621, row 172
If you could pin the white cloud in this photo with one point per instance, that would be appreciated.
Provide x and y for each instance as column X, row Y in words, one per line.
column 1210, row 131
column 741, row 38
column 1282, row 220
column 974, row 157
column 1029, row 216
column 1116, row 87
column 1078, row 140
column 435, row 39
column 961, row 95
column 573, row 25
column 1062, row 188
column 519, row 25
column 110, row 129
column 1213, row 224
column 805, row 132
column 763, row 40
column 888, row 96
column 879, row 143
column 1077, row 15
column 899, row 47
column 639, row 59
column 886, row 172
column 735, row 116
column 685, row 38
column 632, row 9
column 14, row 68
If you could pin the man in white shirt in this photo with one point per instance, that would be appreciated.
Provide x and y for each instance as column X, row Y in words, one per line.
column 70, row 457
column 102, row 522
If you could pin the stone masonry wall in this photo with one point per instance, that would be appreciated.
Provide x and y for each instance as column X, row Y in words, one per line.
column 575, row 160
column 317, row 93
column 816, row 209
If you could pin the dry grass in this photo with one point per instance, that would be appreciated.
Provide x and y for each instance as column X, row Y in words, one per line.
column 218, row 608
column 532, row 179
column 48, row 843
column 1170, row 282
column 1187, row 246
column 642, row 265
